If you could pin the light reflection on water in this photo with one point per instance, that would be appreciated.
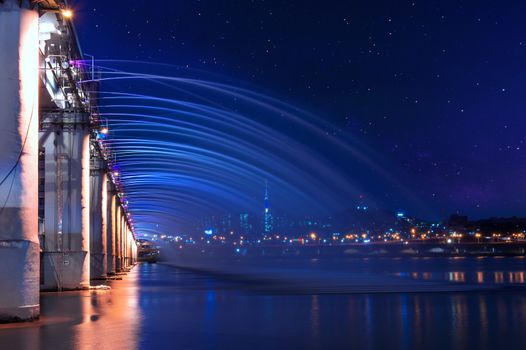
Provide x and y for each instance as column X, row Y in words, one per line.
column 158, row 307
column 101, row 319
column 478, row 277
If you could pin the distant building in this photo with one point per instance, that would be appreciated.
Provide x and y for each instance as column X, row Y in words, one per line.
column 226, row 224
column 267, row 215
column 245, row 225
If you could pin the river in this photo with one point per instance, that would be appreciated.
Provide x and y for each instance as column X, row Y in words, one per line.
column 157, row 306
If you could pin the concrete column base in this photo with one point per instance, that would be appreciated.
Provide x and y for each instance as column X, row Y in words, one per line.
column 63, row 271
column 19, row 281
column 25, row 313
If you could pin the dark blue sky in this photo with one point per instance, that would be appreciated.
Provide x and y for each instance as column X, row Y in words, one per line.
column 435, row 89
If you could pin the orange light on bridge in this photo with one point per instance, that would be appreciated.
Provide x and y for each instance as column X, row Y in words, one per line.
column 67, row 13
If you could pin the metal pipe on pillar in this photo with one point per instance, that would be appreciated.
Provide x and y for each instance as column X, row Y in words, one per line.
column 19, row 247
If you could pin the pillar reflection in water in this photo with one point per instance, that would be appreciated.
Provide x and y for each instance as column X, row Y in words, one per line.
column 109, row 317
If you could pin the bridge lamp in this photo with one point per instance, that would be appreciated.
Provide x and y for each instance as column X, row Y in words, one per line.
column 67, row 13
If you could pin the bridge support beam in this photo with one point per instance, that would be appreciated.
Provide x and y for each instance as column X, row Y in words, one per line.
column 64, row 140
column 19, row 248
column 98, row 217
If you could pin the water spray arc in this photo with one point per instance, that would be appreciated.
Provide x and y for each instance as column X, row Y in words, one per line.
column 196, row 145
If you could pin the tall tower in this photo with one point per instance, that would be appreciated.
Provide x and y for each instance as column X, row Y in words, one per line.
column 267, row 216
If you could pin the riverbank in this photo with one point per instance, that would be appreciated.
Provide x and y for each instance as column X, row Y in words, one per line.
column 422, row 248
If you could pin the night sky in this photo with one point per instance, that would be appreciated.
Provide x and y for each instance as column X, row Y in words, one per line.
column 432, row 91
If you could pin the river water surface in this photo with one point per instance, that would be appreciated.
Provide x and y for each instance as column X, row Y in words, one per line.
column 161, row 307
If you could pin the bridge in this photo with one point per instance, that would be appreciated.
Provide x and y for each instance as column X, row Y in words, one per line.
column 63, row 215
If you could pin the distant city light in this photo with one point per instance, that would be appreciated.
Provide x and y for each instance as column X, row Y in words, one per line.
column 209, row 232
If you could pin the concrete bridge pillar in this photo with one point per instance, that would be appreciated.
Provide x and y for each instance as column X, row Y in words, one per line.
column 130, row 246
column 124, row 241
column 64, row 141
column 127, row 245
column 19, row 247
column 134, row 252
column 98, row 217
column 111, row 229
column 118, row 240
